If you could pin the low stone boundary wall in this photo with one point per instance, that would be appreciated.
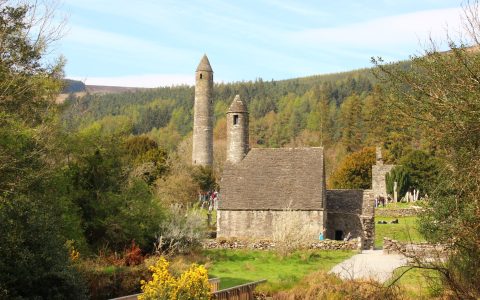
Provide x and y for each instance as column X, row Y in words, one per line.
column 354, row 244
column 397, row 212
column 418, row 250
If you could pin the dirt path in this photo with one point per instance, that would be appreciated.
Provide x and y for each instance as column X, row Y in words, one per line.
column 370, row 264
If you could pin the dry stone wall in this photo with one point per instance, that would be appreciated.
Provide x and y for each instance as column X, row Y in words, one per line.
column 400, row 212
column 354, row 244
column 417, row 250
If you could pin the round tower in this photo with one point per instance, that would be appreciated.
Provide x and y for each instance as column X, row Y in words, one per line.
column 237, row 131
column 202, row 153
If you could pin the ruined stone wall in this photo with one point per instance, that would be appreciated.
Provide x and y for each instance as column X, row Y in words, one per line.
column 202, row 153
column 222, row 243
column 398, row 212
column 417, row 250
column 237, row 136
column 351, row 211
column 379, row 185
column 261, row 224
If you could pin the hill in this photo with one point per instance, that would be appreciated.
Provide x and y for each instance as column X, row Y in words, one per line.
column 340, row 111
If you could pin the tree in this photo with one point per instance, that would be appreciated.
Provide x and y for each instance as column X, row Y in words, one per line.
column 400, row 175
column 423, row 170
column 352, row 121
column 34, row 213
column 440, row 94
column 355, row 171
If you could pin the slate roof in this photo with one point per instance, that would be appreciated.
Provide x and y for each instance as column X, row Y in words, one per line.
column 275, row 179
column 237, row 105
column 204, row 64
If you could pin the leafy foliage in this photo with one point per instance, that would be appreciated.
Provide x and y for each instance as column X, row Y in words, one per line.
column 423, row 170
column 439, row 94
column 35, row 217
column 355, row 171
column 192, row 284
column 400, row 175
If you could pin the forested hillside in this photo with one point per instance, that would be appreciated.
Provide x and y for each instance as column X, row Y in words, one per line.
column 339, row 111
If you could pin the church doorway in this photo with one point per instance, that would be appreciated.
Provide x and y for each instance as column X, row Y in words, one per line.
column 338, row 235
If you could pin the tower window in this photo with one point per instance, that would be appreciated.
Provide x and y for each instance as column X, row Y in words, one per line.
column 201, row 75
column 235, row 119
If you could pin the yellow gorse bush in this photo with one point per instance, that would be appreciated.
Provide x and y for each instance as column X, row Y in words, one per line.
column 192, row 284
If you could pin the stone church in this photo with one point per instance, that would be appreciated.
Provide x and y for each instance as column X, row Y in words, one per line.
column 261, row 186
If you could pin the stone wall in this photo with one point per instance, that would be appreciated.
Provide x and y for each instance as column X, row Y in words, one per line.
column 379, row 185
column 354, row 244
column 351, row 211
column 398, row 212
column 262, row 223
column 417, row 250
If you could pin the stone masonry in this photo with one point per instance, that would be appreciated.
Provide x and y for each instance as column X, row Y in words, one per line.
column 351, row 211
column 264, row 189
column 262, row 224
column 202, row 153
column 237, row 131
column 379, row 170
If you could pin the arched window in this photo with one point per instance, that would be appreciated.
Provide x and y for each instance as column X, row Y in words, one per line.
column 201, row 75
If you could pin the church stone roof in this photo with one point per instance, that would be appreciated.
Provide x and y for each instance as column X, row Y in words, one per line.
column 237, row 105
column 204, row 64
column 275, row 179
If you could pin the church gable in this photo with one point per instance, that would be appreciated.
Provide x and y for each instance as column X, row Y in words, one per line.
column 275, row 179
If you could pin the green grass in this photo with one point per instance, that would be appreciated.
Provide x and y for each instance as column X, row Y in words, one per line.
column 235, row 267
column 399, row 205
column 418, row 283
column 405, row 231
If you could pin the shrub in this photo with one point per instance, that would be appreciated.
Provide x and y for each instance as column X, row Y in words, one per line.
column 182, row 232
column 320, row 285
column 106, row 280
column 133, row 256
column 192, row 284
column 291, row 232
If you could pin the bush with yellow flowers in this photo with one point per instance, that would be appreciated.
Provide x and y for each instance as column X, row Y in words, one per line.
column 192, row 284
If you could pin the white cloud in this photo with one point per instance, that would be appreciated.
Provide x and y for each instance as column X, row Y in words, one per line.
column 387, row 32
column 297, row 8
column 146, row 80
column 120, row 42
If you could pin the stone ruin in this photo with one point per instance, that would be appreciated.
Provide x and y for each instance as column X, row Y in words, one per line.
column 262, row 189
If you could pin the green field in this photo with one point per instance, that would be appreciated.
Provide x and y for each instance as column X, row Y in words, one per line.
column 418, row 283
column 235, row 267
column 400, row 205
column 405, row 231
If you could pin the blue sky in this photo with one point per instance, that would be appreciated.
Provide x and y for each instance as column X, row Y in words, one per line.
column 156, row 43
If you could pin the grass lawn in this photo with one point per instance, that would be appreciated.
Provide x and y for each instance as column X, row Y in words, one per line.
column 398, row 205
column 235, row 267
column 405, row 231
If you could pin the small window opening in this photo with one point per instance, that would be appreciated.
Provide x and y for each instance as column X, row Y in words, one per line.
column 235, row 119
column 338, row 235
column 201, row 75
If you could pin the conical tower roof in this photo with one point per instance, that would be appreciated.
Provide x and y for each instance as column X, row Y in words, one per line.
column 237, row 105
column 204, row 64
